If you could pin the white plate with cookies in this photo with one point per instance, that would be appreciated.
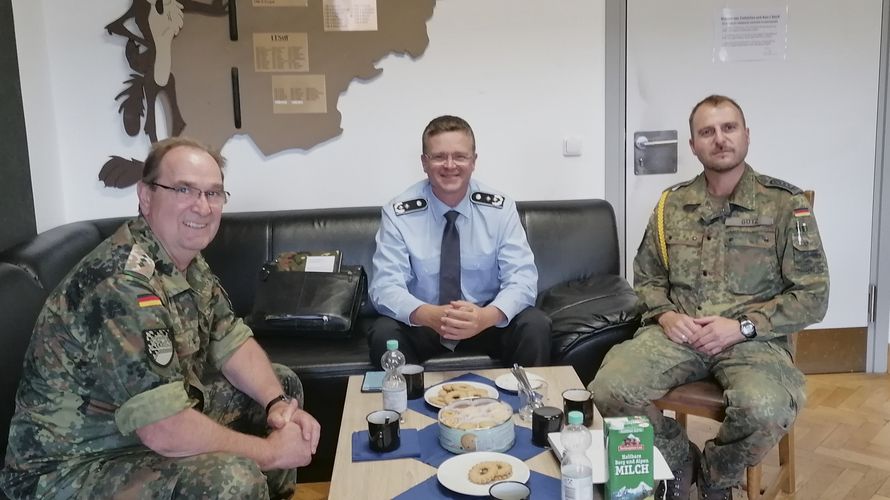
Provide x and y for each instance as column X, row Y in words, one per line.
column 442, row 395
column 474, row 473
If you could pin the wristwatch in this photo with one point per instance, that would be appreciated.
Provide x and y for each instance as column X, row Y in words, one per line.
column 280, row 397
column 747, row 328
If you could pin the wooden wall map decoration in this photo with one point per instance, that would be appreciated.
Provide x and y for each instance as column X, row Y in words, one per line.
column 273, row 69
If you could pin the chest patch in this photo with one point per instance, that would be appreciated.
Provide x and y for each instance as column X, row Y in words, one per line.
column 750, row 220
column 158, row 346
column 148, row 300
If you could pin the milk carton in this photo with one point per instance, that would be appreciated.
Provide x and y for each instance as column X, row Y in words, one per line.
column 629, row 450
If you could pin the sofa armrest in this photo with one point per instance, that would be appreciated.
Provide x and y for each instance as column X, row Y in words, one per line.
column 588, row 317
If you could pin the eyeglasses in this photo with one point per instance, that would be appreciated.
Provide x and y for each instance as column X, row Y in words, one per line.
column 459, row 159
column 188, row 194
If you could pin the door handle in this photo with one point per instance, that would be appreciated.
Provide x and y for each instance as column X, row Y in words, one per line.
column 642, row 142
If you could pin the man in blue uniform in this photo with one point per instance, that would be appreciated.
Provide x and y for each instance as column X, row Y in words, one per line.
column 453, row 269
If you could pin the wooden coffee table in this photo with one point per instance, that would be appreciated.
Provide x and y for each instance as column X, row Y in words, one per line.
column 389, row 478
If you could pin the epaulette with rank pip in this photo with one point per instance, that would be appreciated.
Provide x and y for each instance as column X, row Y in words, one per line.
column 139, row 263
column 681, row 184
column 778, row 183
column 487, row 199
column 410, row 206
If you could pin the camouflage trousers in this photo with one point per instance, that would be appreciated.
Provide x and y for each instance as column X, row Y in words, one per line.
column 763, row 392
column 139, row 473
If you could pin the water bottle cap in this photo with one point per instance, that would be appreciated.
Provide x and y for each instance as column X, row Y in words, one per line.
column 392, row 345
column 575, row 418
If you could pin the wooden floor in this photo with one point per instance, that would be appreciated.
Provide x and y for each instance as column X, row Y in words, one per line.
column 842, row 441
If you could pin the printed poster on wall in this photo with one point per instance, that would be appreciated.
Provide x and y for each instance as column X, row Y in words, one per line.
column 751, row 34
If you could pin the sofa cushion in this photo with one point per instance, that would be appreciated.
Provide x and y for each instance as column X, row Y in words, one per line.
column 589, row 305
column 570, row 239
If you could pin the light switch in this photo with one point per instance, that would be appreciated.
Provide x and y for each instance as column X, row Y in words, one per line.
column 571, row 146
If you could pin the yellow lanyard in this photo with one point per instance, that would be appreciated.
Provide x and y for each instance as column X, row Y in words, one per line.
column 662, row 244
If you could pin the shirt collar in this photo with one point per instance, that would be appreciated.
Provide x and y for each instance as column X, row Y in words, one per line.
column 744, row 193
column 439, row 208
column 172, row 279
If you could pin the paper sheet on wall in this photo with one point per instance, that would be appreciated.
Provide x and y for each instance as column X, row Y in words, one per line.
column 280, row 52
column 750, row 34
column 298, row 94
column 280, row 3
column 350, row 15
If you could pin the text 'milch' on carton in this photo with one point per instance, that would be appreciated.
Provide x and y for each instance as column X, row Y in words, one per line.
column 629, row 458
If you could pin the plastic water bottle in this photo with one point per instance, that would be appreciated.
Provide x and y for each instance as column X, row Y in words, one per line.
column 576, row 469
column 395, row 391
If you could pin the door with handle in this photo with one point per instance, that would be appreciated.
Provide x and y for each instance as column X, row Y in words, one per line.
column 812, row 117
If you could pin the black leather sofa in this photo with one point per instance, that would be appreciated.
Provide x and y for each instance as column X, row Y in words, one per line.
column 576, row 251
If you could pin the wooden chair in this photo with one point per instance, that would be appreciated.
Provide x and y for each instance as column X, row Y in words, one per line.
column 704, row 398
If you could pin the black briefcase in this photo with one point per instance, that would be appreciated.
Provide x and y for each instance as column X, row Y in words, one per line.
column 308, row 302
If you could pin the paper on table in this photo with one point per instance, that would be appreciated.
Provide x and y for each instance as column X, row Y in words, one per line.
column 597, row 455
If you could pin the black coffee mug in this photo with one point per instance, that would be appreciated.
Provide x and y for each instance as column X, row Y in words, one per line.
column 413, row 380
column 545, row 420
column 579, row 400
column 383, row 430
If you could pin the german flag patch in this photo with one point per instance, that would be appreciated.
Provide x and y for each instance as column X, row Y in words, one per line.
column 801, row 212
column 148, row 300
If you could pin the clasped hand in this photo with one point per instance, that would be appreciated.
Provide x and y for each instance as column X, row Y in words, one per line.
column 462, row 320
column 457, row 320
column 294, row 435
column 709, row 334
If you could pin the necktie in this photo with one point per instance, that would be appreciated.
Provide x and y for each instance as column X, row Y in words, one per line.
column 449, row 268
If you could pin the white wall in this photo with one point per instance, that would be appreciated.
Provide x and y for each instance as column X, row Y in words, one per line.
column 523, row 73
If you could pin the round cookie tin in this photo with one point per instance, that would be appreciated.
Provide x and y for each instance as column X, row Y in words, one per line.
column 481, row 424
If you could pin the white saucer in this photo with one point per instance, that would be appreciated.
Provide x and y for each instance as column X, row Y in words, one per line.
column 508, row 382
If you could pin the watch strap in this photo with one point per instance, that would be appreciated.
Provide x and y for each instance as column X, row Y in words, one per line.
column 280, row 397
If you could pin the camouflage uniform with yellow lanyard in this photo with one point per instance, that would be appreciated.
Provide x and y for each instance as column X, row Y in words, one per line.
column 756, row 254
column 127, row 340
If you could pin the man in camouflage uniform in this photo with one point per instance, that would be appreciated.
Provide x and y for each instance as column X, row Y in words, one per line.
column 139, row 381
column 741, row 267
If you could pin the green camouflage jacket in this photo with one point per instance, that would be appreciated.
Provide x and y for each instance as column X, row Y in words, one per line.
column 759, row 253
column 123, row 342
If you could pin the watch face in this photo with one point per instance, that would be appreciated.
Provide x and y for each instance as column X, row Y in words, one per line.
column 747, row 328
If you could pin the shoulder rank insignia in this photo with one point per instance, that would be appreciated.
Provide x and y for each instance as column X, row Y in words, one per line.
column 681, row 184
column 487, row 199
column 409, row 206
column 158, row 346
column 778, row 183
column 139, row 263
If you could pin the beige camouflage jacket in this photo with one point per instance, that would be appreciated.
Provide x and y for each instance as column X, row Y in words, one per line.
column 759, row 254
